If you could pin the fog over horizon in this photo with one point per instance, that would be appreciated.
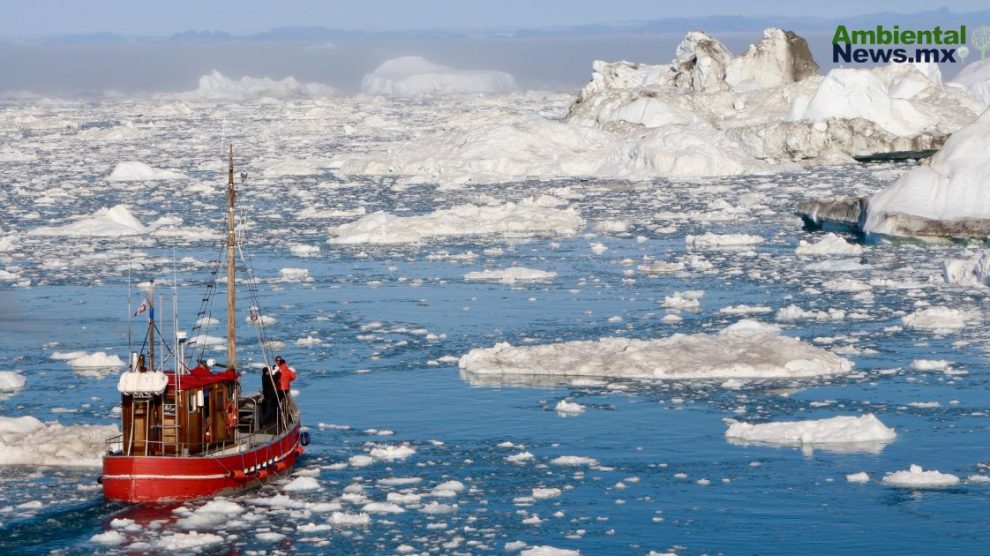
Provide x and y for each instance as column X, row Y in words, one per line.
column 540, row 58
column 539, row 63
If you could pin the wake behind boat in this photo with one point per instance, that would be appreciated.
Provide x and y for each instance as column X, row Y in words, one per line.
column 188, row 432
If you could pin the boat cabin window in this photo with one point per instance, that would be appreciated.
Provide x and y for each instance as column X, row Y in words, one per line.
column 192, row 401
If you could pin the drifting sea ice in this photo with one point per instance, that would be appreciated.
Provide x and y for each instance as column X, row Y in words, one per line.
column 840, row 432
column 747, row 349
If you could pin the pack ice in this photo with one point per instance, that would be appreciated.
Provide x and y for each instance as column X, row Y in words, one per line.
column 747, row 349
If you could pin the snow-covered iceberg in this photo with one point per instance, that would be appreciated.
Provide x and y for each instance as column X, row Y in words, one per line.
column 412, row 75
column 747, row 349
column 947, row 197
column 842, row 433
column 216, row 86
column 531, row 216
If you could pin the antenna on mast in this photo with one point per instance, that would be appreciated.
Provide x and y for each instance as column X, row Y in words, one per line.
column 231, row 266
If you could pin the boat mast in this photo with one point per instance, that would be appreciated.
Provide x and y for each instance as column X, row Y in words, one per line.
column 231, row 260
column 151, row 328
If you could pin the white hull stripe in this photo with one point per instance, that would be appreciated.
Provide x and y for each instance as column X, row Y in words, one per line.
column 174, row 477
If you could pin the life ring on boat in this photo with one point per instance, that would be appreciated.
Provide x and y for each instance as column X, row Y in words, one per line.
column 231, row 417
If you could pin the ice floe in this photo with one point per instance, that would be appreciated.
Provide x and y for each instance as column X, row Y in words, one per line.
column 747, row 349
column 916, row 477
column 531, row 216
column 412, row 75
column 837, row 433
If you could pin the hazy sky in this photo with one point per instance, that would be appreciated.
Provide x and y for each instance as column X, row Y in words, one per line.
column 36, row 18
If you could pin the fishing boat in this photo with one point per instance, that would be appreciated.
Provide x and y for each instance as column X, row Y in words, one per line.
column 188, row 431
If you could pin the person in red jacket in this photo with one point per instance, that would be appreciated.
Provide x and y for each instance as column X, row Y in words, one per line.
column 285, row 378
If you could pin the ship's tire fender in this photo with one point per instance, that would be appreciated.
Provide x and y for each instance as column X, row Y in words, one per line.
column 304, row 438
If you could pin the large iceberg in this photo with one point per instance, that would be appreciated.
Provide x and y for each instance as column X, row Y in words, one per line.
column 773, row 102
column 945, row 197
column 412, row 75
column 747, row 349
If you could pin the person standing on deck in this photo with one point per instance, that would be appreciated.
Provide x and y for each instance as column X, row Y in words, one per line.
column 286, row 376
column 269, row 398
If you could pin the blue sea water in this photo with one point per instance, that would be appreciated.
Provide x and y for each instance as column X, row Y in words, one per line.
column 666, row 479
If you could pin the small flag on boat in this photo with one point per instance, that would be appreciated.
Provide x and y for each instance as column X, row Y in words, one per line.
column 141, row 309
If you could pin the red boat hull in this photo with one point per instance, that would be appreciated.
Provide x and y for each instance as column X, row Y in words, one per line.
column 169, row 478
